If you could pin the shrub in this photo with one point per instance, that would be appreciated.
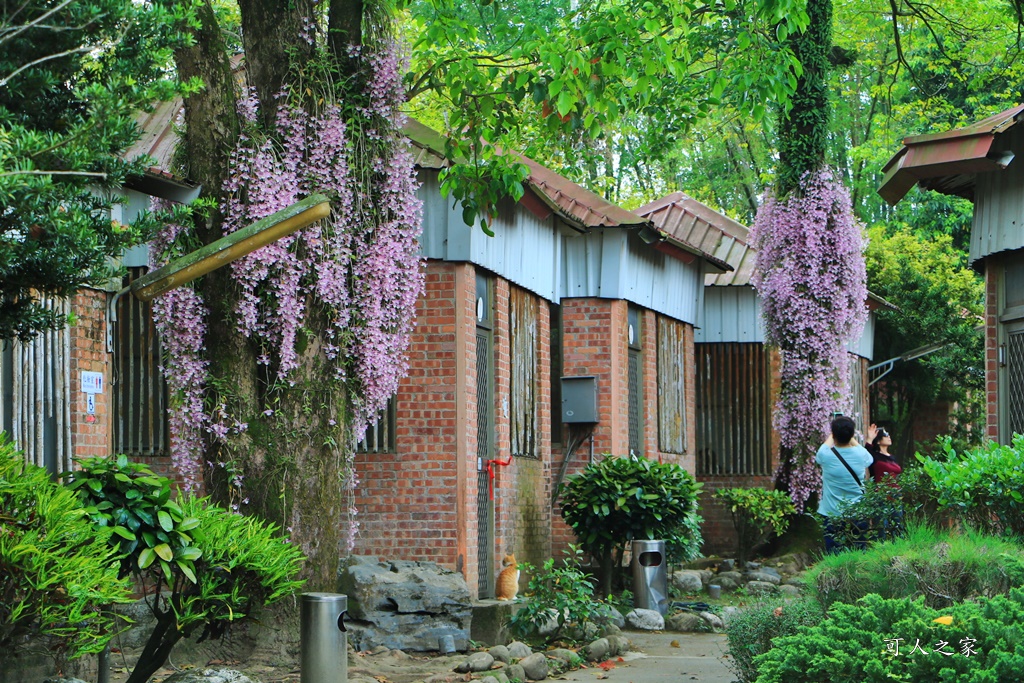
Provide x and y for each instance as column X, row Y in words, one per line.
column 56, row 575
column 203, row 567
column 756, row 514
column 616, row 500
column 560, row 595
column 876, row 516
column 942, row 566
column 871, row 641
column 984, row 486
column 752, row 631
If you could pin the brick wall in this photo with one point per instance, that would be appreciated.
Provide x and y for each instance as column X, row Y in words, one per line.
column 90, row 434
column 409, row 501
column 993, row 269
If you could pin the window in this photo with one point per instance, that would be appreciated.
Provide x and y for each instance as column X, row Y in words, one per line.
column 671, row 387
column 523, row 381
column 556, row 372
column 636, row 383
column 734, row 423
column 139, row 390
column 380, row 435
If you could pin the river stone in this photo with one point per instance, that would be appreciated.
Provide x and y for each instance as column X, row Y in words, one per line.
column 612, row 629
column 517, row 650
column 789, row 590
column 764, row 577
column 735, row 576
column 515, row 673
column 687, row 581
column 209, row 676
column 535, row 666
column 726, row 565
column 496, row 677
column 607, row 613
column 727, row 584
column 686, row 622
column 476, row 662
column 762, row 588
column 752, row 566
column 646, row 619
column 619, row 645
column 562, row 654
column 713, row 620
column 729, row 612
column 599, row 650
column 500, row 653
column 63, row 680
column 404, row 605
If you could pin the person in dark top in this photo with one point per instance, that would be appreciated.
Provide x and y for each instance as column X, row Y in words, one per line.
column 884, row 464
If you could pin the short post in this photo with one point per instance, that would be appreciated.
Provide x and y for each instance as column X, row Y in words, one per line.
column 324, row 642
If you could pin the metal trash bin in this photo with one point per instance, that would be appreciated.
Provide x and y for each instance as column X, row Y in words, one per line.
column 323, row 640
column 650, row 576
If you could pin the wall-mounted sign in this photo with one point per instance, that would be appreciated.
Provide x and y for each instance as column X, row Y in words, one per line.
column 92, row 382
column 90, row 404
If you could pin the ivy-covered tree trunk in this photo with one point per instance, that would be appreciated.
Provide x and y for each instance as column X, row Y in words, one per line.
column 811, row 275
column 300, row 343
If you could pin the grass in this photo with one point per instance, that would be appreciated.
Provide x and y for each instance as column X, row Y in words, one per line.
column 945, row 566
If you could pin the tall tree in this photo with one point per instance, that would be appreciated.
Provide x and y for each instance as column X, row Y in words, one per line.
column 278, row 363
column 72, row 74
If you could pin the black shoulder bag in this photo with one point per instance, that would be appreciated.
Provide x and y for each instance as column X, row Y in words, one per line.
column 847, row 465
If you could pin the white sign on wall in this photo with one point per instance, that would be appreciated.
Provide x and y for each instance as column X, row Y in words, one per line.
column 92, row 382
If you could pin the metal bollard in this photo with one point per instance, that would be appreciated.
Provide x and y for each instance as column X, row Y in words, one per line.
column 324, row 642
column 650, row 576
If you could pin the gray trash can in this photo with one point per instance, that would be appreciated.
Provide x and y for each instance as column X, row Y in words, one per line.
column 650, row 576
column 324, row 643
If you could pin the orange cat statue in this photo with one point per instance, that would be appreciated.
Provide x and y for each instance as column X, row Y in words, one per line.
column 508, row 580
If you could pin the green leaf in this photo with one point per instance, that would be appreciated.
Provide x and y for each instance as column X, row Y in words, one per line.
column 187, row 571
column 166, row 523
column 146, row 558
column 164, row 551
column 123, row 533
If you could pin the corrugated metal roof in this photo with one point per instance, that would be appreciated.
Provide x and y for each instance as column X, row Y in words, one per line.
column 949, row 161
column 714, row 233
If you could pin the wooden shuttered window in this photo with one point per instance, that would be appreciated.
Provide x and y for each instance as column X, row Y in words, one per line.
column 523, row 380
column 671, row 387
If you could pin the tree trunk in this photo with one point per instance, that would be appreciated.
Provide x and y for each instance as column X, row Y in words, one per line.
column 286, row 468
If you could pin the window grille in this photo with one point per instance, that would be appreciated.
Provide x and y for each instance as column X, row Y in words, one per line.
column 1015, row 381
column 635, row 370
column 138, row 386
column 671, row 387
column 380, row 434
column 556, row 373
column 734, row 425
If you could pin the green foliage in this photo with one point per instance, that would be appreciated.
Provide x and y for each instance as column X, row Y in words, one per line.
column 562, row 595
column 938, row 301
column 751, row 632
column 206, row 567
column 149, row 528
column 56, row 575
column 876, row 516
column 857, row 643
column 984, row 486
column 756, row 514
column 72, row 76
column 558, row 81
column 943, row 567
column 616, row 500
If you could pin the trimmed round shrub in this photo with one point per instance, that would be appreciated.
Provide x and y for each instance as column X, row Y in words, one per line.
column 752, row 631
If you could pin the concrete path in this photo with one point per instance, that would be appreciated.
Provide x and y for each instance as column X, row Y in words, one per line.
column 698, row 657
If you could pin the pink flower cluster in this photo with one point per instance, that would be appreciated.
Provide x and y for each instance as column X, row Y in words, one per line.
column 813, row 286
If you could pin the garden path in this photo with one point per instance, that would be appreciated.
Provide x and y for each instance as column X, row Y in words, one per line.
column 665, row 657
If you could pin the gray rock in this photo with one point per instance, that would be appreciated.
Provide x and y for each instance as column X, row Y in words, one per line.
column 790, row 591
column 517, row 650
column 735, row 576
column 562, row 654
column 583, row 634
column 608, row 614
column 63, row 680
column 727, row 584
column 764, row 577
column 762, row 588
column 726, row 566
column 619, row 645
column 687, row 581
column 686, row 622
column 550, row 625
column 713, row 620
column 770, row 570
column 535, row 666
column 728, row 613
column 476, row 662
column 500, row 653
column 495, row 677
column 752, row 566
column 209, row 676
column 646, row 619
column 612, row 629
column 599, row 650
column 404, row 605
column 706, row 576
column 515, row 673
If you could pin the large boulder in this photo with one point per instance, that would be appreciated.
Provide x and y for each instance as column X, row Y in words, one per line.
column 688, row 581
column 646, row 619
column 404, row 605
